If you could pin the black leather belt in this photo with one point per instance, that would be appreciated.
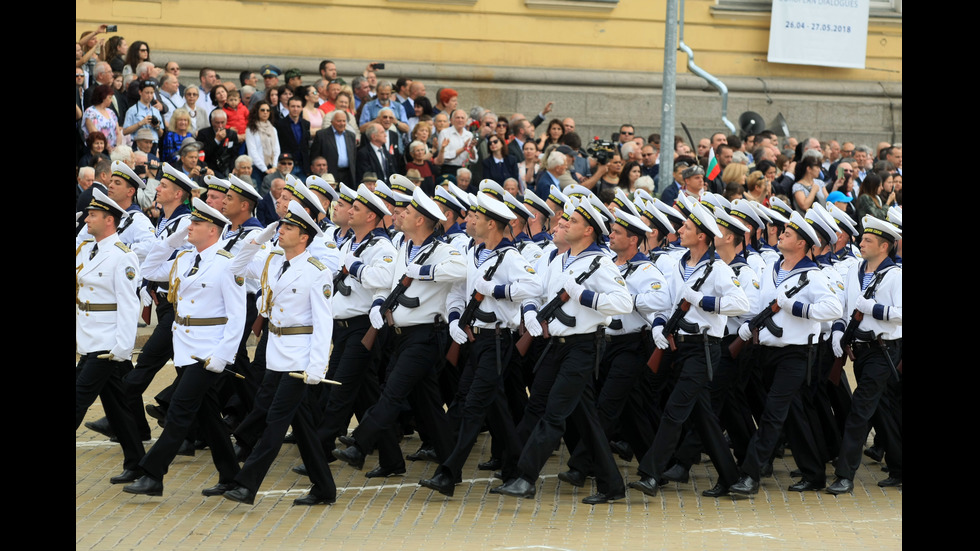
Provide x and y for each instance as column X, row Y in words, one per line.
column 351, row 322
column 872, row 344
column 573, row 339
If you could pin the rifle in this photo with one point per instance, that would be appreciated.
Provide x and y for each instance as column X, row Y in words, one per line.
column 547, row 313
column 845, row 342
column 466, row 319
column 676, row 318
column 392, row 301
column 338, row 280
column 764, row 319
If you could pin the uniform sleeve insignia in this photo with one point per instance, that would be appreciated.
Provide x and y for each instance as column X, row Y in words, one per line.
column 387, row 258
column 736, row 282
column 122, row 246
column 326, row 290
column 831, row 287
column 655, row 286
column 755, row 284
column 621, row 281
column 529, row 269
column 454, row 252
column 840, row 285
column 331, row 245
column 130, row 272
column 225, row 253
column 239, row 280
column 320, row 265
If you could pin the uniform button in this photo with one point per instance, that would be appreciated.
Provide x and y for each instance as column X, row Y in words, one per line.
column 192, row 301
column 280, row 309
column 91, row 288
column 187, row 330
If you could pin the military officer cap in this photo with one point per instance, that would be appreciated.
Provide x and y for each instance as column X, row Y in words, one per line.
column 243, row 188
column 291, row 73
column 470, row 200
column 346, row 194
column 217, row 184
column 303, row 194
column 269, row 70
column 516, row 206
column 576, row 190
column 642, row 194
column 446, row 198
column 122, row 170
column 372, row 201
column 427, row 207
column 205, row 213
column 821, row 221
column 401, row 184
column 895, row 216
column 297, row 216
column 714, row 201
column 632, row 223
column 492, row 188
column 844, row 221
column 725, row 220
column 691, row 171
column 622, row 201
column 489, row 206
column 383, row 192
column 803, row 228
column 568, row 207
column 321, row 186
column 780, row 206
column 601, row 209
column 699, row 215
column 179, row 178
column 881, row 228
column 531, row 199
column 742, row 209
column 556, row 196
column 101, row 201
column 658, row 219
column 447, row 179
column 592, row 216
column 401, row 200
column 672, row 214
column 460, row 195
column 775, row 217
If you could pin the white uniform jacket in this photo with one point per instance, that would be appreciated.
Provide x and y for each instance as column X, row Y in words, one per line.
column 516, row 284
column 723, row 296
column 107, row 307
column 651, row 296
column 885, row 320
column 369, row 278
column 815, row 303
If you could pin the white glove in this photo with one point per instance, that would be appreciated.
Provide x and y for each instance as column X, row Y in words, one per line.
column 176, row 239
column 573, row 289
column 835, row 339
column 485, row 288
column 456, row 333
column 658, row 337
column 117, row 357
column 412, row 270
column 865, row 305
column 784, row 302
column 266, row 234
column 532, row 324
column 692, row 296
column 375, row 316
column 312, row 378
column 145, row 298
column 216, row 365
column 350, row 260
column 744, row 331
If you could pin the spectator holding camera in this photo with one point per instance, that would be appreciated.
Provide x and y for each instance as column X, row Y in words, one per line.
column 142, row 114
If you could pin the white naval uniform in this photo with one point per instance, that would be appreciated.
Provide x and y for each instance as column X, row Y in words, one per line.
column 212, row 292
column 444, row 267
column 111, row 277
column 369, row 278
column 135, row 231
column 723, row 295
column 749, row 283
column 886, row 319
column 815, row 303
column 504, row 306
column 651, row 295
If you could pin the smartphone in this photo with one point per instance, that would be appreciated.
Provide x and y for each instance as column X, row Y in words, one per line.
column 110, row 28
column 377, row 66
column 840, row 172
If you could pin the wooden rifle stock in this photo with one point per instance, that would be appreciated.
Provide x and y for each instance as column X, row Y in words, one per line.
column 658, row 353
column 838, row 367
column 452, row 356
column 372, row 334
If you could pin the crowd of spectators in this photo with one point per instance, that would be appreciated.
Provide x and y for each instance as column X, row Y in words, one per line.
column 267, row 123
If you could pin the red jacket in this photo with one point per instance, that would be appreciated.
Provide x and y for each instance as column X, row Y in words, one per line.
column 237, row 119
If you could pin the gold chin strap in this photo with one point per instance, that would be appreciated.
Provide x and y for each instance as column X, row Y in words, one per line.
column 174, row 280
column 266, row 290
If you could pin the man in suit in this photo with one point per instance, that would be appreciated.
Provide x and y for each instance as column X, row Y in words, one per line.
column 103, row 75
column 522, row 131
column 220, row 144
column 372, row 156
column 337, row 145
column 294, row 135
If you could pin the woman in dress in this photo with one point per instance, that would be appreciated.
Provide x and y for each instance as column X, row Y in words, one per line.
column 310, row 111
column 808, row 188
column 527, row 170
column 262, row 141
column 100, row 117
column 199, row 116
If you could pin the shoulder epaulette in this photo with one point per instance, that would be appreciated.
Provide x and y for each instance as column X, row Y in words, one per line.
column 123, row 246
column 319, row 265
column 225, row 253
column 82, row 244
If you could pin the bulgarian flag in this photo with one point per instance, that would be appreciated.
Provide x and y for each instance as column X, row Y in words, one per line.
column 713, row 169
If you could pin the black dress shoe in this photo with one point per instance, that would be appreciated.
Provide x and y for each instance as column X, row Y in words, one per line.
column 186, row 448
column 347, row 440
column 573, row 477
column 717, row 490
column 381, row 472
column 890, row 482
column 796, row 473
column 146, row 486
column 156, row 412
column 441, row 483
column 874, row 452
column 766, row 470
column 498, row 474
column 677, row 473
column 841, row 486
column 494, row 464
column 218, row 489
column 353, row 456
column 745, row 486
column 102, row 427
column 622, row 449
column 805, row 486
column 290, row 438
column 125, row 477
column 517, row 487
column 310, row 499
column 600, row 497
column 425, row 453
column 301, row 470
column 646, row 485
column 241, row 452
column 241, row 494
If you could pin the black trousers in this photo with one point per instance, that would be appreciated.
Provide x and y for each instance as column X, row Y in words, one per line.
column 354, row 366
column 104, row 379
column 195, row 400
column 485, row 401
column 243, row 391
column 413, row 381
column 690, row 399
column 571, row 398
column 874, row 402
column 784, row 372
column 290, row 405
column 157, row 351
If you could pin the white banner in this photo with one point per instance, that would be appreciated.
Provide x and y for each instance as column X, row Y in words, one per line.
column 831, row 33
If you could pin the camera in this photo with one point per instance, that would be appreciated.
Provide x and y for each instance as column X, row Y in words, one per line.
column 154, row 120
column 601, row 150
